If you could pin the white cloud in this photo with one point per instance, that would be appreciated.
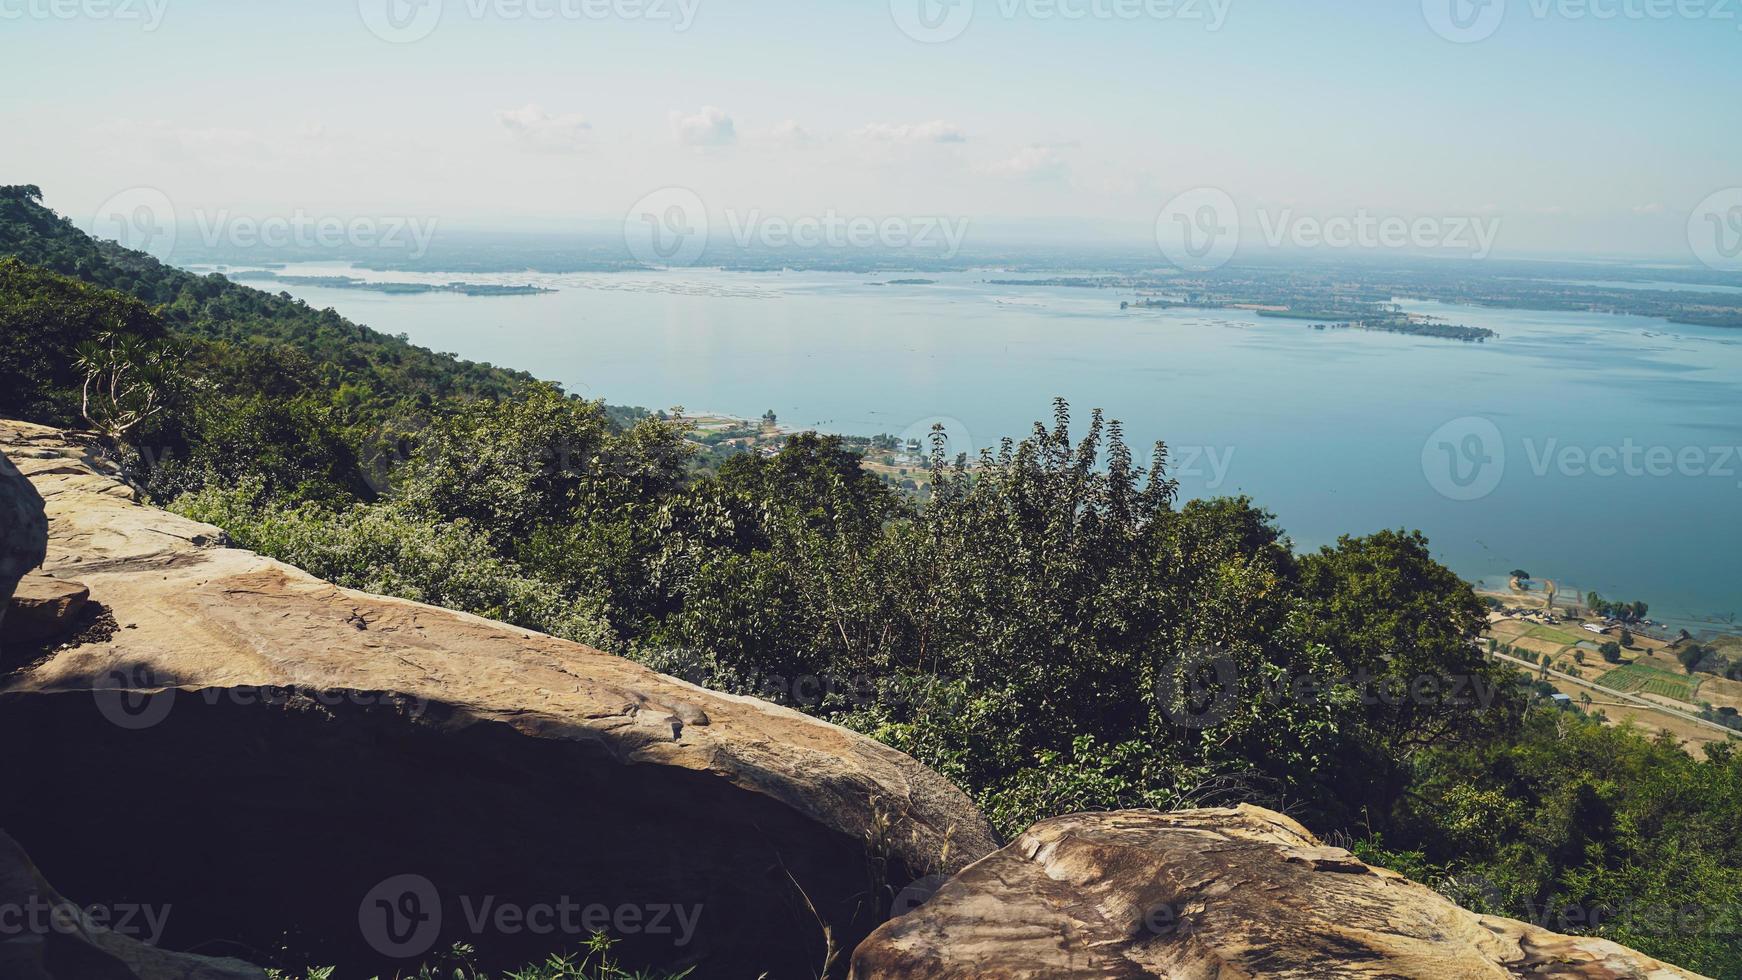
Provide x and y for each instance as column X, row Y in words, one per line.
column 790, row 132
column 538, row 130
column 1032, row 163
column 936, row 131
column 710, row 127
column 207, row 146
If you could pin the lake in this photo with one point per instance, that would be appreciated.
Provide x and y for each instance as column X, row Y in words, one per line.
column 1600, row 451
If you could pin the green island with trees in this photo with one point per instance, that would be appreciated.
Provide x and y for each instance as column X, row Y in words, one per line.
column 1050, row 626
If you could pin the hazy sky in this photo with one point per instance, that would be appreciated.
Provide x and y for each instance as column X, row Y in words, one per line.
column 1586, row 127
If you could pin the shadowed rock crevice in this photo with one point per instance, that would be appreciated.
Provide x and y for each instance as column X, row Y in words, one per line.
column 260, row 822
column 45, row 936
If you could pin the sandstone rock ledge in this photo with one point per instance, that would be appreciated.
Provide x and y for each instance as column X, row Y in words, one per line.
column 260, row 750
column 1210, row 894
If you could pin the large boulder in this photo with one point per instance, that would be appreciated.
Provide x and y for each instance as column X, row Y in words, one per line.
column 44, row 936
column 23, row 532
column 292, row 764
column 1210, row 894
column 42, row 609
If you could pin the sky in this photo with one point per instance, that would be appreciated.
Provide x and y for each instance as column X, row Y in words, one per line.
column 1583, row 127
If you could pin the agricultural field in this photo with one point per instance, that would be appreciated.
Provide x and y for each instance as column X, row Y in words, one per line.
column 1539, row 639
column 1552, row 634
column 1718, row 691
column 1693, row 737
column 1638, row 678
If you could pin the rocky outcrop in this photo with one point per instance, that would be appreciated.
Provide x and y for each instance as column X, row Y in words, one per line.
column 1210, row 894
column 23, row 533
column 43, row 609
column 44, row 936
column 286, row 762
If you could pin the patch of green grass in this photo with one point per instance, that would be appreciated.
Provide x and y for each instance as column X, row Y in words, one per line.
column 1638, row 678
column 1552, row 635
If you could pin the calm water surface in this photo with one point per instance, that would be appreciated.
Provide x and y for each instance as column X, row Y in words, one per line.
column 1334, row 431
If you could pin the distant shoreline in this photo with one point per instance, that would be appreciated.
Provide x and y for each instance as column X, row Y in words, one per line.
column 393, row 288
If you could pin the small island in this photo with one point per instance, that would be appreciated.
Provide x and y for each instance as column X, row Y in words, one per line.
column 395, row 288
column 1379, row 317
column 1068, row 282
column 1414, row 326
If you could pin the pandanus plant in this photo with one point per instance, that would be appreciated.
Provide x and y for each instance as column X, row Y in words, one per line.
column 127, row 380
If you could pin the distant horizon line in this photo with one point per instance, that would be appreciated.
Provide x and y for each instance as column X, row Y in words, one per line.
column 983, row 244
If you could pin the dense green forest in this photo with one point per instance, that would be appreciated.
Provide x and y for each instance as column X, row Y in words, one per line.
column 1051, row 627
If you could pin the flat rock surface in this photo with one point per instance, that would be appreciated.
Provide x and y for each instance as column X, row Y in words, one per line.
column 1208, row 894
column 546, row 766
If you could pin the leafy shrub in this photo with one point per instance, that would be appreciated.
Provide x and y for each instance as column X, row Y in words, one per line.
column 384, row 549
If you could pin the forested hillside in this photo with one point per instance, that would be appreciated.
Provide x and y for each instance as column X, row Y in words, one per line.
column 1052, row 628
column 370, row 371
